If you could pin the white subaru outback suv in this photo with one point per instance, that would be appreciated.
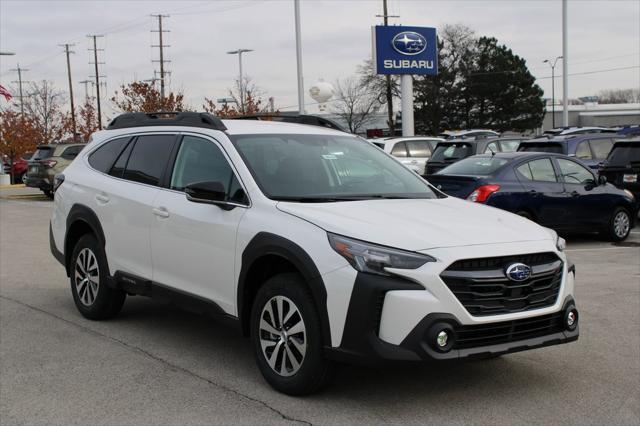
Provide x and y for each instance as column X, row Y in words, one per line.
column 314, row 243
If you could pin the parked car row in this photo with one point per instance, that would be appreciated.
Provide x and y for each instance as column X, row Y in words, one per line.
column 46, row 162
column 18, row 170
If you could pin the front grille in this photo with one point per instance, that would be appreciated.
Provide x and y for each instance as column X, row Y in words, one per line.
column 471, row 336
column 483, row 288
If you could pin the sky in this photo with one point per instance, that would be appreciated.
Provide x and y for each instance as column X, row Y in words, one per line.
column 604, row 35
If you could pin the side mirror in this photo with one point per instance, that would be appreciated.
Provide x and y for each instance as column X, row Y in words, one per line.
column 602, row 180
column 206, row 192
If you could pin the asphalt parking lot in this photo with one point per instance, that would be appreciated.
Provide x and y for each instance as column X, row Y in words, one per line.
column 154, row 364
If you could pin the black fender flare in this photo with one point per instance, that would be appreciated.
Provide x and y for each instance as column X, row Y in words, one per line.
column 265, row 243
column 81, row 213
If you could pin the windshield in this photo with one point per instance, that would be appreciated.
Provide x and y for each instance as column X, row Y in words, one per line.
column 474, row 166
column 43, row 152
column 623, row 155
column 451, row 152
column 316, row 168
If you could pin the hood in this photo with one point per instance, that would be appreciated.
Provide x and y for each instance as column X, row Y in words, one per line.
column 418, row 224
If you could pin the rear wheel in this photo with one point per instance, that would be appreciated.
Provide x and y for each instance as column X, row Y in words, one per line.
column 287, row 336
column 89, row 274
column 619, row 225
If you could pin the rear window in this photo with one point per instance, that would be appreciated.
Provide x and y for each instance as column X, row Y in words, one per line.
column 555, row 148
column 419, row 149
column 452, row 152
column 474, row 166
column 43, row 152
column 623, row 155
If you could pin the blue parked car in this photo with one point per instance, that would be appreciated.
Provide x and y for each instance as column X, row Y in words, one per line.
column 553, row 190
column 591, row 149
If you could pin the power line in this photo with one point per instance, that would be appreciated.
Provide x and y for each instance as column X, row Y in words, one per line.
column 594, row 72
column 161, row 46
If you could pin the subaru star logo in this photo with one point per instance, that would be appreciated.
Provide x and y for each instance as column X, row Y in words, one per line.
column 409, row 43
column 518, row 272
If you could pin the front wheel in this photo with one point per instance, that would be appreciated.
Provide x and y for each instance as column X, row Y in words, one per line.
column 619, row 225
column 89, row 274
column 287, row 336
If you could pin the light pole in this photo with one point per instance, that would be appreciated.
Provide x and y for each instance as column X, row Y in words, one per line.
column 296, row 12
column 553, row 89
column 239, row 52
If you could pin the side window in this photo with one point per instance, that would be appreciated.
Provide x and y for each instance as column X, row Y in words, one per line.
column 601, row 148
column 583, row 152
column 103, row 158
column 419, row 149
column 538, row 170
column 200, row 160
column 71, row 152
column 399, row 150
column 573, row 172
column 121, row 163
column 509, row 146
column 492, row 147
column 149, row 158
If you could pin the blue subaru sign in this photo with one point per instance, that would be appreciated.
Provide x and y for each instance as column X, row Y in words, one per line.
column 405, row 50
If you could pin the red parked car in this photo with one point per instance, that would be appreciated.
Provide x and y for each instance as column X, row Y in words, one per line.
column 20, row 166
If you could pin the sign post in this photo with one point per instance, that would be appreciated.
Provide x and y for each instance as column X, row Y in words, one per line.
column 405, row 51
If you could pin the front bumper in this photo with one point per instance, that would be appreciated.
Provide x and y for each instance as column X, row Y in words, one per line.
column 390, row 318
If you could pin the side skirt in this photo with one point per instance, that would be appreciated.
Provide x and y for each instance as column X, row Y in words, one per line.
column 135, row 285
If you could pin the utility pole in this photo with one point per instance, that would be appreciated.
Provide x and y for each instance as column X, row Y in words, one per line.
column 161, row 46
column 565, row 67
column 553, row 89
column 86, row 88
column 95, row 63
column 296, row 11
column 20, row 71
column 73, row 109
column 385, row 15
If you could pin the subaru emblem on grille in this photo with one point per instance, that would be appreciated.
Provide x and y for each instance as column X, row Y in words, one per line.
column 518, row 272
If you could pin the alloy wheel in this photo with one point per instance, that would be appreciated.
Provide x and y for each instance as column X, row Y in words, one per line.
column 621, row 224
column 283, row 336
column 87, row 276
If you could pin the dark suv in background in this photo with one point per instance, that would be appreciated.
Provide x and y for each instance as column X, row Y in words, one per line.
column 591, row 149
column 47, row 161
column 622, row 167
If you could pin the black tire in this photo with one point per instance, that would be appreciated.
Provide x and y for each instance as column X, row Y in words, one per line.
column 314, row 370
column 94, row 301
column 619, row 225
column 48, row 193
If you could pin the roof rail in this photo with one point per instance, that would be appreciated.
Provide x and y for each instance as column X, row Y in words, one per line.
column 167, row 118
column 292, row 117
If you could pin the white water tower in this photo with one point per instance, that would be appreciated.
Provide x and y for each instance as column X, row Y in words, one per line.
column 321, row 92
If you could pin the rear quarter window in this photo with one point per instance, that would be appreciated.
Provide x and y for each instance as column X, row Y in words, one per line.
column 103, row 158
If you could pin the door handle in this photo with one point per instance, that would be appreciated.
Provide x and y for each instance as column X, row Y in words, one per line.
column 102, row 198
column 575, row 194
column 161, row 212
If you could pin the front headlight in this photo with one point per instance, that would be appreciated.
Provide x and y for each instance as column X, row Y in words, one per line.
column 561, row 244
column 372, row 258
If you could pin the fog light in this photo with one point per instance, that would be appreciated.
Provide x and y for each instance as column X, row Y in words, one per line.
column 571, row 319
column 442, row 338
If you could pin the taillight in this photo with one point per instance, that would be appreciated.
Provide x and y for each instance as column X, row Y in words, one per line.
column 49, row 163
column 57, row 181
column 483, row 192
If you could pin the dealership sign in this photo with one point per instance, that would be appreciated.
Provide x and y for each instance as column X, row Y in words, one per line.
column 405, row 50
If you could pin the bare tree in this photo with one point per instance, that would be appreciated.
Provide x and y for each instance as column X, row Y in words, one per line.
column 44, row 106
column 377, row 84
column 619, row 96
column 355, row 103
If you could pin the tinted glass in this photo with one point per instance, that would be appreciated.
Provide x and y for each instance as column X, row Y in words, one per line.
column 601, row 148
column 200, row 160
column 451, row 152
column 321, row 167
column 121, row 163
column 573, row 172
column 474, row 166
column 44, row 152
column 103, row 158
column 538, row 170
column 72, row 152
column 555, row 148
column 399, row 150
column 623, row 155
column 509, row 146
column 149, row 158
column 583, row 152
column 419, row 149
